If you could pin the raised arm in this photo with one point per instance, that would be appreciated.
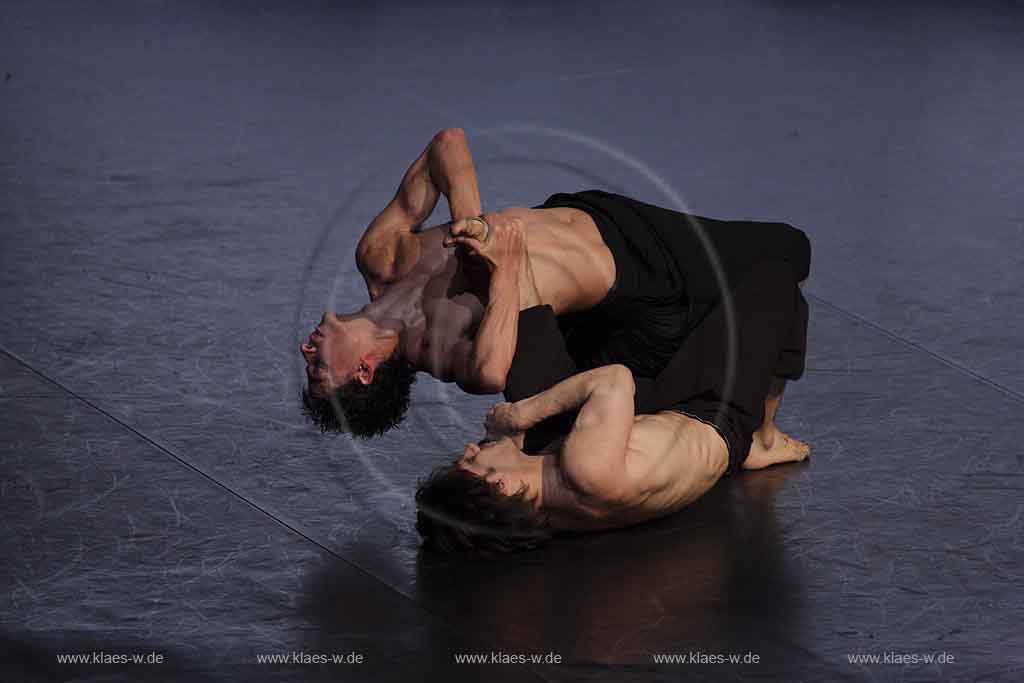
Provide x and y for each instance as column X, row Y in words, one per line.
column 389, row 248
column 593, row 457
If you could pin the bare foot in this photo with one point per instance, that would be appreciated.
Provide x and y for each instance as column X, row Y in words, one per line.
column 772, row 446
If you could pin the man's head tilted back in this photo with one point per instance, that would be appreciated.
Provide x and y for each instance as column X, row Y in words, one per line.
column 357, row 381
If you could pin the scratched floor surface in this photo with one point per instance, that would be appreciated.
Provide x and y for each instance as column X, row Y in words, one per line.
column 183, row 185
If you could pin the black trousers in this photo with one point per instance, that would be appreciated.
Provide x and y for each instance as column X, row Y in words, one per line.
column 671, row 268
column 720, row 374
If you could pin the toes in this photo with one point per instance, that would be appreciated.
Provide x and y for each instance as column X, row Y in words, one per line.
column 797, row 447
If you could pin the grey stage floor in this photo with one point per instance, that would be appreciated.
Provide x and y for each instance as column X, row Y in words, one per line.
column 181, row 187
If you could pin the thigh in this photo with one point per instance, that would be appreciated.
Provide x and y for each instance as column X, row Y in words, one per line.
column 698, row 243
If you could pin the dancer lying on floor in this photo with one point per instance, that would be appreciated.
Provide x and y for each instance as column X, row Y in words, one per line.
column 614, row 467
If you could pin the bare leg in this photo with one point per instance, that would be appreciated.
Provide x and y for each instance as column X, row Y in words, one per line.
column 770, row 445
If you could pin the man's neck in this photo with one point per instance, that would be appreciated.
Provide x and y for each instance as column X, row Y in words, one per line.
column 393, row 310
column 389, row 331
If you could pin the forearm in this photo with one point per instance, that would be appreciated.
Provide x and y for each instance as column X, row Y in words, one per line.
column 495, row 343
column 444, row 167
column 389, row 248
column 450, row 169
column 567, row 395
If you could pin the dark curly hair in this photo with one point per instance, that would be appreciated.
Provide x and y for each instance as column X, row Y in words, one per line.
column 458, row 510
column 364, row 410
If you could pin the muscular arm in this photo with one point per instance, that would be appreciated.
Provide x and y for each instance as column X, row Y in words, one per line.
column 487, row 361
column 389, row 248
column 593, row 457
column 542, row 360
column 511, row 281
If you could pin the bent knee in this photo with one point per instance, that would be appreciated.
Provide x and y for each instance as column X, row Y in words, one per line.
column 772, row 275
column 793, row 246
column 800, row 253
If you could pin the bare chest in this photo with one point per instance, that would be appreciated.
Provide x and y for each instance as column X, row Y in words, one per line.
column 452, row 303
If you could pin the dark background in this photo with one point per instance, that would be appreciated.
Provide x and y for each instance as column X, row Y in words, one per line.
column 181, row 188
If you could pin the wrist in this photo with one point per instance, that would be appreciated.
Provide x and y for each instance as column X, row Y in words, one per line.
column 504, row 277
column 464, row 209
column 520, row 417
column 521, row 414
column 528, row 298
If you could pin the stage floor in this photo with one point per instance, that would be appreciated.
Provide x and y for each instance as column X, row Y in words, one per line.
column 183, row 186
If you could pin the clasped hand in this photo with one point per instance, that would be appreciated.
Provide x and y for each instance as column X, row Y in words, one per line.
column 500, row 244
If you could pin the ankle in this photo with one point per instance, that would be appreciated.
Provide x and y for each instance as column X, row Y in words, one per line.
column 766, row 435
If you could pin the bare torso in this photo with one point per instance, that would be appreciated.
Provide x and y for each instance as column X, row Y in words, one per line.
column 671, row 460
column 442, row 299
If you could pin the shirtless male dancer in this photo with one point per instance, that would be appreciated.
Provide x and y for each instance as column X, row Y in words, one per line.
column 614, row 467
column 623, row 281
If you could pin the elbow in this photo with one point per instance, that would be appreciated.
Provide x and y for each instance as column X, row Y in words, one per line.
column 450, row 135
column 617, row 379
column 621, row 378
column 604, row 494
column 491, row 380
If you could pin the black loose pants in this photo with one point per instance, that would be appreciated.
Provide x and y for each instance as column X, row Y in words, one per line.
column 720, row 374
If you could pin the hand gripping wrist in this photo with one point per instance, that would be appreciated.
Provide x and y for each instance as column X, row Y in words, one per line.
column 487, row 227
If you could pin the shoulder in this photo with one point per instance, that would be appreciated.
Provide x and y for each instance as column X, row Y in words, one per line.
column 384, row 263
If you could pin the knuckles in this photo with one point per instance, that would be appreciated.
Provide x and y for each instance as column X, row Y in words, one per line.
column 504, row 232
